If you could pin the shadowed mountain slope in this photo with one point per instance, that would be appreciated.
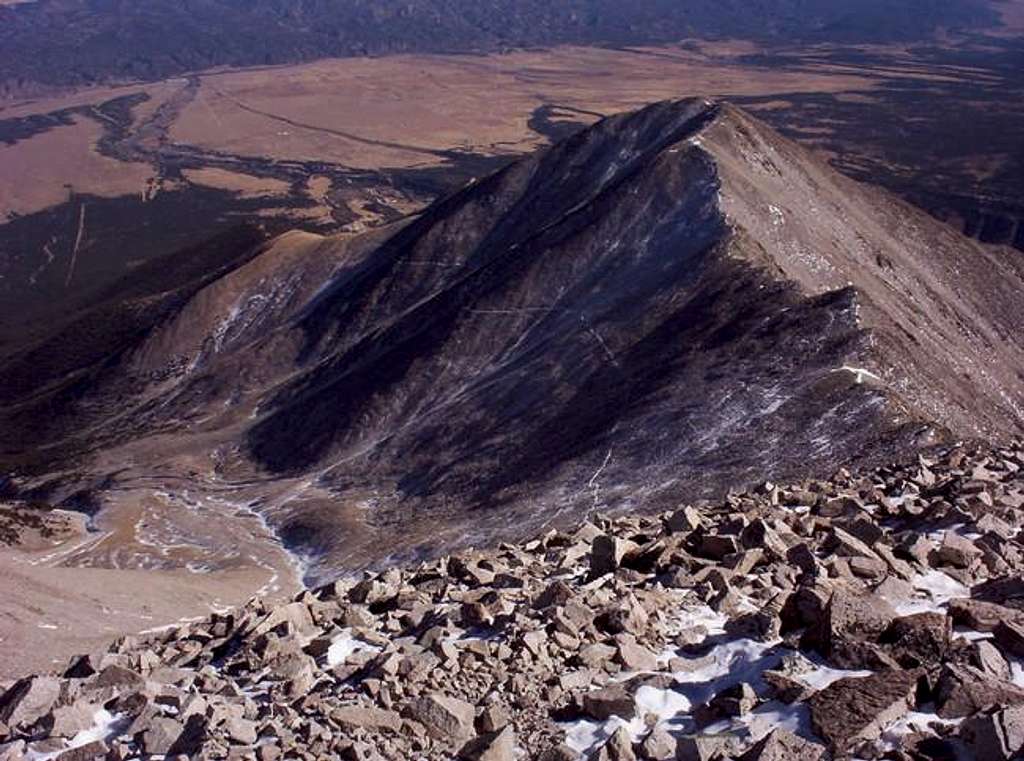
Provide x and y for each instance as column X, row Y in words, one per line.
column 670, row 303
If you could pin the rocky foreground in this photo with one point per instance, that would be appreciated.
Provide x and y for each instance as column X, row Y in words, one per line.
column 869, row 617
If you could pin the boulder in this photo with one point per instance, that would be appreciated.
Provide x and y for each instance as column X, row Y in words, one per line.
column 446, row 718
column 1009, row 635
column 493, row 718
column 918, row 640
column 986, row 657
column 294, row 617
column 618, row 747
column 956, row 551
column 367, row 718
column 495, row 746
column 854, row 709
column 28, row 700
column 1007, row 591
column 659, row 745
column 707, row 747
column 982, row 616
column 241, row 731
column 609, row 701
column 732, row 702
column 626, row 615
column 556, row 593
column 997, row 735
column 97, row 750
column 118, row 678
column 782, row 745
column 68, row 721
column 608, row 552
column 633, row 656
column 963, row 690
column 846, row 634
column 596, row 655
column 160, row 736
column 683, row 521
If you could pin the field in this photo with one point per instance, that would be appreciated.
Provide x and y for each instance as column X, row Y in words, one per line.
column 390, row 134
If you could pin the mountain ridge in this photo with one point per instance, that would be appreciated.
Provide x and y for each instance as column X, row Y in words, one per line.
column 666, row 305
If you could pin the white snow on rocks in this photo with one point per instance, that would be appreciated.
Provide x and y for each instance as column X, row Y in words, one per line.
column 107, row 725
column 860, row 374
column 728, row 663
column 346, row 645
column 933, row 591
column 915, row 721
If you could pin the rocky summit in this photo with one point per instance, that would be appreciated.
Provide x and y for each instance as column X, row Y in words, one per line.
column 877, row 615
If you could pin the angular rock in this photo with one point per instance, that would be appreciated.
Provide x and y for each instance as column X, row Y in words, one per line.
column 852, row 621
column 627, row 615
column 707, row 747
column 956, row 551
column 607, row 702
column 160, row 736
column 618, row 747
column 731, row 702
column 995, row 736
column 294, row 616
column 94, row 751
column 28, row 700
column 716, row 546
column 986, row 658
column 495, row 746
column 241, row 731
column 963, row 690
column 634, row 656
column 366, row 717
column 782, row 745
column 854, row 709
column 68, row 721
column 918, row 640
column 608, row 553
column 684, row 520
column 445, row 717
column 556, row 593
column 1009, row 635
column 659, row 745
column 493, row 718
column 982, row 616
column 119, row 678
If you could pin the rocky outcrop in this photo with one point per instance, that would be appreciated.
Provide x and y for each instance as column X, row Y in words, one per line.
column 620, row 639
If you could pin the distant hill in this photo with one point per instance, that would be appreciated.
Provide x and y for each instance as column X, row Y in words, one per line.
column 61, row 43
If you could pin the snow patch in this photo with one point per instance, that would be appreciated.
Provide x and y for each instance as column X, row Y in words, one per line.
column 345, row 646
column 107, row 725
column 860, row 374
column 934, row 590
